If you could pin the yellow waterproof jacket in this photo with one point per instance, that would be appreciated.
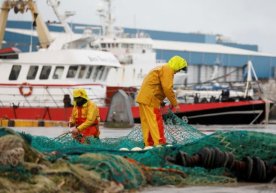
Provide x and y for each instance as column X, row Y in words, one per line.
column 88, row 114
column 157, row 85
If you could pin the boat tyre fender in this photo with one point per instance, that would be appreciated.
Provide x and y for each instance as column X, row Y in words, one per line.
column 29, row 90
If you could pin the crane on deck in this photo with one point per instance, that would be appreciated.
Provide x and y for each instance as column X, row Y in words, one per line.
column 22, row 6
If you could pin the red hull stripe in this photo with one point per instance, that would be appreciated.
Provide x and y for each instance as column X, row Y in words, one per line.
column 52, row 85
column 40, row 113
column 63, row 114
column 184, row 108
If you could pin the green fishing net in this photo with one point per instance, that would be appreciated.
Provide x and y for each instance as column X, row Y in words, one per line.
column 36, row 163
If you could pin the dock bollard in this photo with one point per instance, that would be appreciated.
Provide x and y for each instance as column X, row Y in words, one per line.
column 41, row 123
column 11, row 123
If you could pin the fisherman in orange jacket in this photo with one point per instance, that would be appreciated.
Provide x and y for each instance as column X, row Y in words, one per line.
column 85, row 117
column 157, row 85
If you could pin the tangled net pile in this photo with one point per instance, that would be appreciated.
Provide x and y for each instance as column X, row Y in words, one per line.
column 41, row 164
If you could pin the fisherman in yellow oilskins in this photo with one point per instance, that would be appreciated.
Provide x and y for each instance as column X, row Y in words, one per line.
column 85, row 117
column 156, row 86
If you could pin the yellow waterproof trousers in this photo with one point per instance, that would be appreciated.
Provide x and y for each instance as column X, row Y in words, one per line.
column 152, row 125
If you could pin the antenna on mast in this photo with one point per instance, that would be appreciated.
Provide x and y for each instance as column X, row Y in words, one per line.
column 61, row 17
column 105, row 14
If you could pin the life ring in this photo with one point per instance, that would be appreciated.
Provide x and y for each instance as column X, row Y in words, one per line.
column 25, row 85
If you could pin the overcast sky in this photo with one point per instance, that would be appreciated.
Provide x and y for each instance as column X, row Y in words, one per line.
column 242, row 21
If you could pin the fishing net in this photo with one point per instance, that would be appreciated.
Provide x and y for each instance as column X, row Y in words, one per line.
column 42, row 164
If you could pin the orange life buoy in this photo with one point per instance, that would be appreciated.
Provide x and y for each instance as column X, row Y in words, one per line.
column 25, row 85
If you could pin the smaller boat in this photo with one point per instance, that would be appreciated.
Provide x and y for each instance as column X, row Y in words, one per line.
column 240, row 111
column 224, row 111
column 221, row 104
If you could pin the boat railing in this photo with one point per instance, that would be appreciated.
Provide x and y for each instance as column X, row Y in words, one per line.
column 218, row 91
column 28, row 95
column 192, row 97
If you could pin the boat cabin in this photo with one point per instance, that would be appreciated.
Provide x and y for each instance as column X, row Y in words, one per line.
column 43, row 78
column 59, row 66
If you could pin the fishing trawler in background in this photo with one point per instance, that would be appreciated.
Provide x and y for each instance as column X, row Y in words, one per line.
column 38, row 85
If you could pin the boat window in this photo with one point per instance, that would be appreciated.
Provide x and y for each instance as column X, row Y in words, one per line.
column 58, row 72
column 99, row 72
column 105, row 73
column 32, row 72
column 72, row 72
column 94, row 74
column 45, row 72
column 103, row 45
column 89, row 72
column 81, row 72
column 15, row 72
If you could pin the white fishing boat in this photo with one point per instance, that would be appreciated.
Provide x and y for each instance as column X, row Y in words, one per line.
column 42, row 78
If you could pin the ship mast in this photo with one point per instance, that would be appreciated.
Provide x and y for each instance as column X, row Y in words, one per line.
column 107, row 19
column 249, row 79
column 22, row 6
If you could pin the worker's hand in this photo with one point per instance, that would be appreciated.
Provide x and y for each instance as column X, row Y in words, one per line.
column 70, row 124
column 174, row 108
column 74, row 131
column 177, row 108
column 163, row 104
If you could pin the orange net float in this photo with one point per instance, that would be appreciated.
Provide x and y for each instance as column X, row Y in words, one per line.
column 28, row 91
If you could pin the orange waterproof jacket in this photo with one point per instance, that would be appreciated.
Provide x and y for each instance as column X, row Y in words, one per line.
column 88, row 116
column 157, row 85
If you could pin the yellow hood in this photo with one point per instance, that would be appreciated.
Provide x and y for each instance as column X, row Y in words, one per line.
column 176, row 63
column 80, row 92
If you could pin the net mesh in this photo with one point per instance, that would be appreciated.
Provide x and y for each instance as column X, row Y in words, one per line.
column 112, row 164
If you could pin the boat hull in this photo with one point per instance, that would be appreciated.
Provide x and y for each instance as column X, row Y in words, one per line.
column 242, row 112
column 223, row 113
column 245, row 114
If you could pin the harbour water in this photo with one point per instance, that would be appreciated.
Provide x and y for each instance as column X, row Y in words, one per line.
column 118, row 132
